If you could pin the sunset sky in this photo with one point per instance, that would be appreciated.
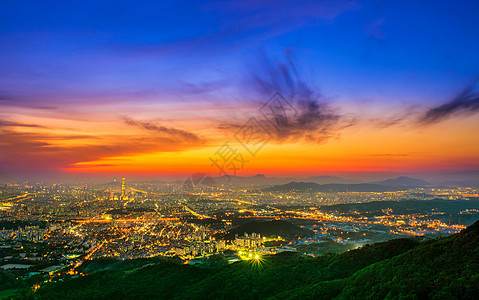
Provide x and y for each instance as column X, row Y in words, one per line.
column 96, row 89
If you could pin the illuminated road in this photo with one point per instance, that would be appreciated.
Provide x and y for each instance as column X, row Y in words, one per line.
column 25, row 196
column 123, row 220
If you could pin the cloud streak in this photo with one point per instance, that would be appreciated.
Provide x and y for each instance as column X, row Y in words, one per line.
column 310, row 118
column 5, row 123
column 466, row 102
column 169, row 131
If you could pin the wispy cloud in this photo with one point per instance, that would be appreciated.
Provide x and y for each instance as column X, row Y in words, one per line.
column 466, row 102
column 314, row 118
column 373, row 28
column 5, row 123
column 168, row 131
column 239, row 23
column 9, row 99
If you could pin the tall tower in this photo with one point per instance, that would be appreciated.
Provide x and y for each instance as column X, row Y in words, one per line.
column 123, row 187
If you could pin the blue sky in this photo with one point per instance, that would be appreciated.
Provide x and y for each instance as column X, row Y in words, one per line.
column 390, row 50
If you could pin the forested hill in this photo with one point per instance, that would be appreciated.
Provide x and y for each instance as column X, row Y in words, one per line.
column 446, row 268
column 405, row 206
column 302, row 187
column 269, row 228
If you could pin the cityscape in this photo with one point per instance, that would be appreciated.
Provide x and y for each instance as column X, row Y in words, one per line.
column 53, row 229
column 239, row 150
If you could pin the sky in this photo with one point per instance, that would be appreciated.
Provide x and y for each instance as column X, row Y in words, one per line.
column 163, row 89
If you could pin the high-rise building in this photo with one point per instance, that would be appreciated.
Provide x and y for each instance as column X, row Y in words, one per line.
column 123, row 187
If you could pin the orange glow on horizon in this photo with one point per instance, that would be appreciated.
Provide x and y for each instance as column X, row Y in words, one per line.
column 356, row 150
column 110, row 145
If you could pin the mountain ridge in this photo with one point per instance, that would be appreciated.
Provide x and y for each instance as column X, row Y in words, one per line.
column 332, row 187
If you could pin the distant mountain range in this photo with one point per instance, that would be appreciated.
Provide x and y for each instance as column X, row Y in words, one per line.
column 389, row 185
column 261, row 179
column 348, row 184
column 404, row 181
column 330, row 188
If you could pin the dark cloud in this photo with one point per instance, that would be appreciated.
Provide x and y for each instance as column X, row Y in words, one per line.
column 171, row 132
column 396, row 116
column 302, row 113
column 5, row 123
column 466, row 102
column 8, row 99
